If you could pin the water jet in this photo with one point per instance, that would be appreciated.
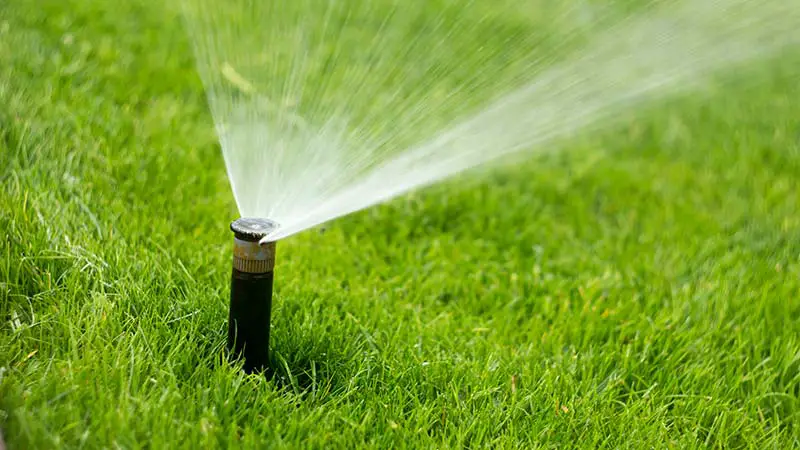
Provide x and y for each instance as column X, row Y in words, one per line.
column 251, row 293
column 326, row 108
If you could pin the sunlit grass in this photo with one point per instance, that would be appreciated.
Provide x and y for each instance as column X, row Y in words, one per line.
column 639, row 289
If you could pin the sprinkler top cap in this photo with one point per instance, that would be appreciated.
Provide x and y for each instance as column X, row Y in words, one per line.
column 253, row 229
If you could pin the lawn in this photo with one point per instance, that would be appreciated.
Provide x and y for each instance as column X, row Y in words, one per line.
column 638, row 289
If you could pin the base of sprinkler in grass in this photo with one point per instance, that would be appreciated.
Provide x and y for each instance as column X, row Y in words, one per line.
column 251, row 293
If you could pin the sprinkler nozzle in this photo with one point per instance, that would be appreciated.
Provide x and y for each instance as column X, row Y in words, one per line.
column 251, row 293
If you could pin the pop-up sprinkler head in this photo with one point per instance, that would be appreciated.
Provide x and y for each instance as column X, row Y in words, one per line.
column 251, row 293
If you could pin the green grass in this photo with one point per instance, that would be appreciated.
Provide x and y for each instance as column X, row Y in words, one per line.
column 639, row 289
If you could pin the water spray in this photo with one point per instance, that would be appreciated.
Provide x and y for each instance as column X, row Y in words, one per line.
column 301, row 148
column 251, row 293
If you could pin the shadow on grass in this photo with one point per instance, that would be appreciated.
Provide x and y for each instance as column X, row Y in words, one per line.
column 311, row 364
column 306, row 368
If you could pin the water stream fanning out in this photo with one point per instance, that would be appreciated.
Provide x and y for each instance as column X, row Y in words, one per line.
column 324, row 108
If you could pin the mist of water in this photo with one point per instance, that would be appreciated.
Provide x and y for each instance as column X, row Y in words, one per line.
column 326, row 108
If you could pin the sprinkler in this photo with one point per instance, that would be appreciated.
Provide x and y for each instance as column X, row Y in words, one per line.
column 251, row 293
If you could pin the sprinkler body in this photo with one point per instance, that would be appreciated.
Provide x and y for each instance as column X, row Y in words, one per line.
column 251, row 293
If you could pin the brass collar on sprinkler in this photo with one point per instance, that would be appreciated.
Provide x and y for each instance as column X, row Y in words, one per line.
column 248, row 255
